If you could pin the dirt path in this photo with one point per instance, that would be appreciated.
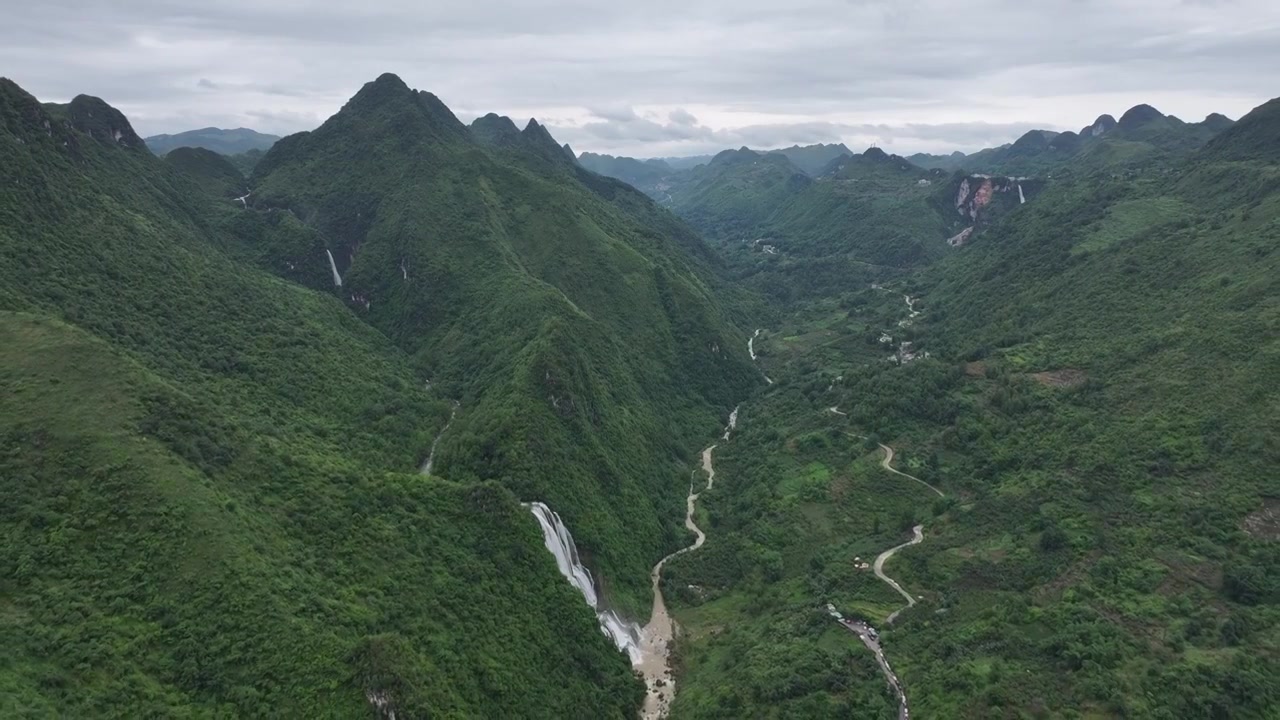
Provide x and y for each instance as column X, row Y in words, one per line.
column 655, row 641
column 862, row 630
column 886, row 463
column 878, row 567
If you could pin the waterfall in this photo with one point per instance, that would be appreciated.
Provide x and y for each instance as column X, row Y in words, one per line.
column 431, row 455
column 337, row 279
column 751, row 344
column 733, row 422
column 625, row 635
column 1022, row 199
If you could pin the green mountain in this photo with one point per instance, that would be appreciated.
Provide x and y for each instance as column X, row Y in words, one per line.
column 224, row 142
column 813, row 159
column 644, row 175
column 1089, row 385
column 216, row 174
column 1142, row 140
column 1256, row 137
column 522, row 286
column 668, row 180
column 212, row 451
column 736, row 191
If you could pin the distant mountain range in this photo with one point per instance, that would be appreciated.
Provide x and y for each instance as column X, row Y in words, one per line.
column 223, row 142
column 1155, row 135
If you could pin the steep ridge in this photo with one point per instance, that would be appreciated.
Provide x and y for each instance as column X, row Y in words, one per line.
column 524, row 292
column 209, row 472
column 1144, row 139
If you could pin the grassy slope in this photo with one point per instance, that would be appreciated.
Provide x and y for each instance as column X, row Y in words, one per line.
column 210, row 475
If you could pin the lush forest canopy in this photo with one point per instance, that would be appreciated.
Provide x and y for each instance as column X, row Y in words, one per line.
column 221, row 370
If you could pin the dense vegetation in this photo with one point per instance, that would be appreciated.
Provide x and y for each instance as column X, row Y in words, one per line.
column 209, row 480
column 580, row 328
column 223, row 142
column 1143, row 139
column 210, row 472
column 1099, row 406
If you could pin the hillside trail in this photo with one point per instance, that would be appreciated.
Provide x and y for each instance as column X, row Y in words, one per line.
column 917, row 531
column 878, row 567
column 861, row 629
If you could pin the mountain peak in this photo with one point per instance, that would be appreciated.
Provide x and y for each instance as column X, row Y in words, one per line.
column 1139, row 115
column 387, row 88
column 94, row 117
column 730, row 156
column 1256, row 136
column 496, row 130
column 1217, row 122
column 1104, row 124
column 390, row 104
column 875, row 153
column 538, row 138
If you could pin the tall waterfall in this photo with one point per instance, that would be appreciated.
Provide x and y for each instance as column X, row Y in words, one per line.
column 625, row 635
column 337, row 279
column 1022, row 199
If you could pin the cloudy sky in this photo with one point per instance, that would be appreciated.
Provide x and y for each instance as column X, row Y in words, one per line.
column 660, row 77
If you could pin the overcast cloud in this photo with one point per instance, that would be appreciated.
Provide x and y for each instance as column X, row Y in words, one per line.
column 660, row 77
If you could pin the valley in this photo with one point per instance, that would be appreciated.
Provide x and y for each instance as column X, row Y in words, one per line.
column 425, row 418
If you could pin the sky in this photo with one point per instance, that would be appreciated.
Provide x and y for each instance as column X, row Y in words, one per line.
column 660, row 77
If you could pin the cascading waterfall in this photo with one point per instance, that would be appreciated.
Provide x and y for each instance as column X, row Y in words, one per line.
column 733, row 422
column 1022, row 199
column 751, row 344
column 337, row 279
column 625, row 635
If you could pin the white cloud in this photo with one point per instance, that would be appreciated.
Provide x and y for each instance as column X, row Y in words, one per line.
column 661, row 76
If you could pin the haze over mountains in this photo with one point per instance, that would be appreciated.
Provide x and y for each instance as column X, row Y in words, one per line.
column 272, row 422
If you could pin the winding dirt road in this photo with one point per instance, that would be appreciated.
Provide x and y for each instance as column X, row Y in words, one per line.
column 878, row 567
column 886, row 463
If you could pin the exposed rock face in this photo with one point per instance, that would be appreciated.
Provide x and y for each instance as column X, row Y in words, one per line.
column 104, row 123
column 1101, row 126
column 962, row 196
column 961, row 237
column 975, row 193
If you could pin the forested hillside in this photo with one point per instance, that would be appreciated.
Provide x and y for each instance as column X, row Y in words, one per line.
column 1142, row 140
column 210, row 472
column 579, row 331
column 1090, row 389
column 223, row 142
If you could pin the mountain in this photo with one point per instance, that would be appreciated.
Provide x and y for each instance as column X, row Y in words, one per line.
column 1057, row 439
column 223, row 142
column 524, row 293
column 735, row 191
column 216, row 174
column 954, row 161
column 657, row 177
column 812, row 159
column 1256, row 137
column 212, row 449
column 1143, row 140
column 644, row 175
column 687, row 162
